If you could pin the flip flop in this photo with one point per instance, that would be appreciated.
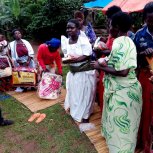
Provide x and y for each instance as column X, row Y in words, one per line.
column 40, row 118
column 33, row 117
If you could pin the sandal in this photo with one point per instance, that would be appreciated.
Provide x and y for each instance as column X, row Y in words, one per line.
column 33, row 117
column 6, row 122
column 40, row 118
column 85, row 120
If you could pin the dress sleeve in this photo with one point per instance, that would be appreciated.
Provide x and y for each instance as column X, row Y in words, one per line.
column 58, row 62
column 123, row 54
column 85, row 46
column 90, row 33
column 39, row 57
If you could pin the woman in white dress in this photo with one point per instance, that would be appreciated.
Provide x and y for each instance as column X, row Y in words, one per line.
column 81, row 79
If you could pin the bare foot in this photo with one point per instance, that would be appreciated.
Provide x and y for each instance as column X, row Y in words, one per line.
column 68, row 111
column 77, row 123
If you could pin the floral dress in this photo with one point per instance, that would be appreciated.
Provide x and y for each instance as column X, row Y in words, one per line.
column 122, row 99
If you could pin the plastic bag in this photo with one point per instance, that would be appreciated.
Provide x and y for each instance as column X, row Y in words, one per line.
column 49, row 86
column 86, row 126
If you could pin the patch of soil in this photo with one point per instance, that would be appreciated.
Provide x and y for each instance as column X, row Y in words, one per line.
column 27, row 146
column 30, row 146
column 49, row 138
column 2, row 148
column 13, row 137
column 43, row 129
column 35, row 45
column 54, row 149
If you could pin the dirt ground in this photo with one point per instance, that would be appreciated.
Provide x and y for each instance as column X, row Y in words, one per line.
column 35, row 45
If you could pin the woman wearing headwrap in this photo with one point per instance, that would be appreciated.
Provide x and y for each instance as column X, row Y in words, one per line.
column 48, row 53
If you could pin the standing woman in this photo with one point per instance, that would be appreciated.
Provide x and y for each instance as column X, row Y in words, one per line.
column 144, row 43
column 86, row 29
column 122, row 94
column 80, row 80
column 21, row 52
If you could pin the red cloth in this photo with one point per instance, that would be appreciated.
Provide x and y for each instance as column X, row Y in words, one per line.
column 144, row 136
column 100, row 86
column 100, row 90
column 109, row 42
column 45, row 57
column 5, row 84
column 21, row 50
column 3, row 63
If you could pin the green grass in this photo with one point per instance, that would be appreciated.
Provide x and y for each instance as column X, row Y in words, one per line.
column 65, row 71
column 56, row 134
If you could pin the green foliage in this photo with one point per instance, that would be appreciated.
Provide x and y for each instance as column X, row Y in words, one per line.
column 137, row 21
column 39, row 18
column 100, row 19
column 54, row 13
column 15, row 8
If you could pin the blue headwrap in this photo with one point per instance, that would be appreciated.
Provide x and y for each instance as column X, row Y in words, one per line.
column 54, row 42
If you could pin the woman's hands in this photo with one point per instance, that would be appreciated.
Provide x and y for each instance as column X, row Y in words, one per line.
column 95, row 65
column 70, row 60
column 76, row 59
column 110, row 70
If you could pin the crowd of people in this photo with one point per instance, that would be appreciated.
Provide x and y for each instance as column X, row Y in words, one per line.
column 118, row 75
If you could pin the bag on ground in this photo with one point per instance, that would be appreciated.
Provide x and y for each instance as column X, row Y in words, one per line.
column 50, row 86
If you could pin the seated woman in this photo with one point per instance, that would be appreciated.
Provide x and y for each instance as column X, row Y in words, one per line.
column 48, row 53
column 80, row 80
column 122, row 91
column 21, row 52
column 5, row 62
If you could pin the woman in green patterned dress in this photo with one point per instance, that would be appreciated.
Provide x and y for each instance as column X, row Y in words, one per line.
column 122, row 95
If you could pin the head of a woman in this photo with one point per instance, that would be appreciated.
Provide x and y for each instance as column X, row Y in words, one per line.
column 110, row 12
column 121, row 23
column 72, row 28
column 148, row 15
column 16, row 34
column 80, row 17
